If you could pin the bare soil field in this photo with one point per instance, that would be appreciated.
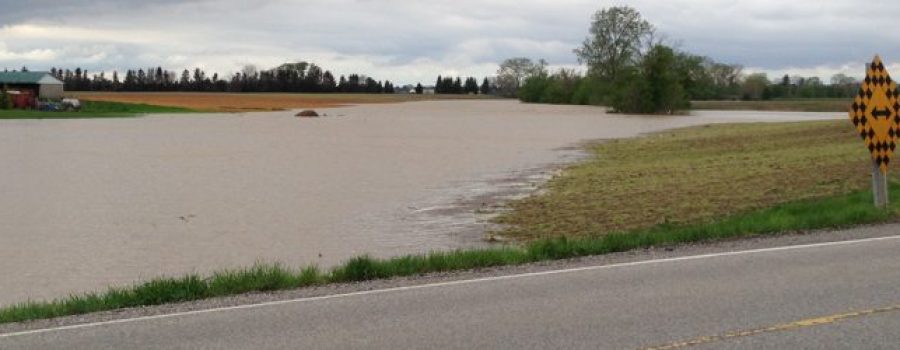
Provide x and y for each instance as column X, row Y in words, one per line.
column 247, row 102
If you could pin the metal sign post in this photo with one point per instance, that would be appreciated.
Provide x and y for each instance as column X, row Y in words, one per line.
column 876, row 114
column 879, row 186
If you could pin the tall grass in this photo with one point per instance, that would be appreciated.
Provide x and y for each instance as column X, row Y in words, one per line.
column 840, row 211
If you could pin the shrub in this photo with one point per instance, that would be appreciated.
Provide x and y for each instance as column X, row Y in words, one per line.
column 5, row 99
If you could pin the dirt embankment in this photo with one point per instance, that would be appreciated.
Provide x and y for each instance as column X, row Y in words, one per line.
column 243, row 102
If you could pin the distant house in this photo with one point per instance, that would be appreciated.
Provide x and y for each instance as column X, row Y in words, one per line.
column 40, row 84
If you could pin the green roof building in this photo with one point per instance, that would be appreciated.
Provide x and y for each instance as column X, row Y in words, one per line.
column 41, row 84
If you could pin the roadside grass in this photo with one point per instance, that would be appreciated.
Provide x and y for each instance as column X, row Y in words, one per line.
column 693, row 176
column 690, row 185
column 94, row 109
column 792, row 105
column 833, row 212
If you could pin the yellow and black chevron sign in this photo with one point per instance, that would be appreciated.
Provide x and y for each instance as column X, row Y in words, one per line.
column 876, row 113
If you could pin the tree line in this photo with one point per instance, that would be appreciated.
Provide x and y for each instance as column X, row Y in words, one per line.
column 757, row 86
column 289, row 77
column 449, row 85
column 631, row 71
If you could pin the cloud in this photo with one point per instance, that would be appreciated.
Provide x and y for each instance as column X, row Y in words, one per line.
column 415, row 41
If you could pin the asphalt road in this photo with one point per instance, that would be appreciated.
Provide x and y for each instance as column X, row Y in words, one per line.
column 828, row 295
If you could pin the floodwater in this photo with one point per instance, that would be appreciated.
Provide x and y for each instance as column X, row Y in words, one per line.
column 89, row 203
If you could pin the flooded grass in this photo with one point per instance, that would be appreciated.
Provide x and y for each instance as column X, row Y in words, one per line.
column 94, row 109
column 788, row 105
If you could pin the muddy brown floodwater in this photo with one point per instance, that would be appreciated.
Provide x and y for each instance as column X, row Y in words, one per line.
column 89, row 203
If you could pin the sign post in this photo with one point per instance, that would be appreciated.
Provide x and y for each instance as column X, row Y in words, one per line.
column 876, row 114
column 879, row 187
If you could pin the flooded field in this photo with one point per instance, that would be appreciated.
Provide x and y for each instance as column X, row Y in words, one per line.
column 95, row 202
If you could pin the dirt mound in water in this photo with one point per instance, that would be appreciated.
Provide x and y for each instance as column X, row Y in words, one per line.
column 308, row 113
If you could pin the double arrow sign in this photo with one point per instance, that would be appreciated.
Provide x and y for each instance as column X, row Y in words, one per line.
column 876, row 114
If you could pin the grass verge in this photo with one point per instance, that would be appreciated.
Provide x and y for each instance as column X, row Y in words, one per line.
column 95, row 109
column 837, row 211
column 694, row 175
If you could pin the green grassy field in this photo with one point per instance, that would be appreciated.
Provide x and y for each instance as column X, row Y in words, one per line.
column 94, row 109
column 793, row 105
column 694, row 175
column 691, row 185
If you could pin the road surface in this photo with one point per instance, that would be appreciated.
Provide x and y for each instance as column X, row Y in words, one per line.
column 843, row 294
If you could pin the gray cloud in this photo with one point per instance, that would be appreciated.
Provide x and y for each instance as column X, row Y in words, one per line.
column 415, row 41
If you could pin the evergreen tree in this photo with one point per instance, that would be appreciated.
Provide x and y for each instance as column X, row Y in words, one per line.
column 485, row 87
column 471, row 86
column 457, row 86
column 342, row 85
column 115, row 83
column 185, row 83
column 328, row 84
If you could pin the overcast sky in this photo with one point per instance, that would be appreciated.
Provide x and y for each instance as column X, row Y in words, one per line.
column 410, row 41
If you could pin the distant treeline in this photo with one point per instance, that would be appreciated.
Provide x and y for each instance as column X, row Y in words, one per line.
column 290, row 77
column 448, row 85
column 758, row 87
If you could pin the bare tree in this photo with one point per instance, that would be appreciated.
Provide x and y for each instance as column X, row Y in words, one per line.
column 617, row 37
column 514, row 71
column 842, row 79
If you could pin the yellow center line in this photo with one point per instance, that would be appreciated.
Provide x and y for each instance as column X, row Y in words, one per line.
column 806, row 323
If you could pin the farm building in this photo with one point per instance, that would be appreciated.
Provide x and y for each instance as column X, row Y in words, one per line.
column 38, row 84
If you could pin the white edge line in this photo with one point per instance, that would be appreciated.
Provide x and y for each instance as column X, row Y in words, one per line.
column 445, row 284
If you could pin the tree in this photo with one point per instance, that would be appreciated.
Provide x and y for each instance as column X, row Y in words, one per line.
column 694, row 76
column 666, row 92
column 115, row 82
column 5, row 99
column 199, row 77
column 328, row 83
column 755, row 86
column 342, row 84
column 419, row 89
column 485, row 87
column 313, row 80
column 514, row 71
column 652, row 87
column 616, row 38
column 447, row 85
column 471, row 86
column 184, row 83
column 842, row 79
column 726, row 79
column 457, row 86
